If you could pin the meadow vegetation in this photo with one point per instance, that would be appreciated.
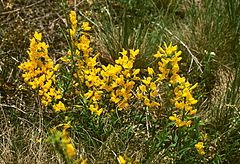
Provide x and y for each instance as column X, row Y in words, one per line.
column 119, row 81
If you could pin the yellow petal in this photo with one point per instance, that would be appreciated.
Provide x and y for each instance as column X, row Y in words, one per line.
column 122, row 160
column 70, row 150
column 38, row 36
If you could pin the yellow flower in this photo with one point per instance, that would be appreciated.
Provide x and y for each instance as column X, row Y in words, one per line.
column 180, row 105
column 164, row 72
column 38, row 36
column 44, row 102
column 169, row 49
column 139, row 95
column 179, row 123
column 70, row 150
column 121, row 160
column 143, row 88
column 200, row 148
column 154, row 104
column 178, row 54
column 147, row 81
column 147, row 102
column 59, row 107
column 92, row 108
column 150, row 71
column 91, row 62
column 188, row 123
column 153, row 86
column 133, row 53
column 129, row 85
column 180, row 79
column 97, row 95
column 95, row 109
column 85, row 26
column 192, row 101
column 42, row 45
column 153, row 93
column 114, row 98
column 164, row 62
column 188, row 107
column 41, row 80
column 84, row 161
column 33, row 84
column 73, row 17
column 193, row 112
column 65, row 137
column 123, row 104
column 88, row 94
column 72, row 32
column 199, row 145
column 99, row 112
column 175, row 68
column 120, row 80
column 173, row 118
column 136, row 72
column 124, row 52
column 39, row 140
column 158, row 55
column 47, row 85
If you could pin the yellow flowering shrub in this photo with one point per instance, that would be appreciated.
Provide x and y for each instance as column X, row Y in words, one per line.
column 168, row 58
column 113, row 87
column 39, row 71
column 116, row 81
column 120, row 82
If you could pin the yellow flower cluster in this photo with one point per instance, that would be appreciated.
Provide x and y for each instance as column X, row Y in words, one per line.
column 79, row 54
column 39, row 71
column 118, row 81
column 200, row 148
column 168, row 64
column 73, row 20
column 78, row 45
column 114, row 86
column 148, row 90
column 85, row 26
column 183, row 100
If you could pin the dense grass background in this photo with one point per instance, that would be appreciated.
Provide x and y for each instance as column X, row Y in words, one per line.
column 199, row 27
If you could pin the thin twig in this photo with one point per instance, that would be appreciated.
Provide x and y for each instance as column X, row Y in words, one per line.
column 1, row 107
column 75, row 5
column 12, row 106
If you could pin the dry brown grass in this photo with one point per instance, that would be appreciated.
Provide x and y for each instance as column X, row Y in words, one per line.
column 21, row 126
